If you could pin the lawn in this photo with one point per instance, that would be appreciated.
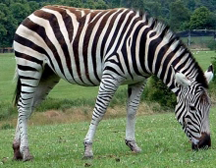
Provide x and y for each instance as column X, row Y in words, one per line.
column 160, row 136
column 60, row 145
column 62, row 90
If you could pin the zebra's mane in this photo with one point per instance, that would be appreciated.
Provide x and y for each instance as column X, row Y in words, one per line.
column 172, row 38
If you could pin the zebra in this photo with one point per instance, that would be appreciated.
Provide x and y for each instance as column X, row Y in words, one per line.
column 108, row 48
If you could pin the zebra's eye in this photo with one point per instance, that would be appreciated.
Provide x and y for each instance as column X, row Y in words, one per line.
column 192, row 108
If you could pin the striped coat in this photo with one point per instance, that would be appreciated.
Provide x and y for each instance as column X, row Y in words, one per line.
column 106, row 48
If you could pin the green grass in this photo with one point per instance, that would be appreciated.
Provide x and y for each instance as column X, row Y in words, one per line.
column 160, row 136
column 7, row 69
column 62, row 90
column 204, row 58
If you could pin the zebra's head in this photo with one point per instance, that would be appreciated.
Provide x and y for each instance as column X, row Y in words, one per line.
column 192, row 109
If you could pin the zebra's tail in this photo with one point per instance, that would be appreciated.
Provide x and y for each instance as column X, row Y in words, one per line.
column 18, row 88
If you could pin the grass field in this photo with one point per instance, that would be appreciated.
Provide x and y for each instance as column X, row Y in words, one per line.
column 60, row 145
column 160, row 136
column 66, row 90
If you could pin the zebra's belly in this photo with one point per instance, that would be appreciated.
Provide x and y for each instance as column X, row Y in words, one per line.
column 93, row 78
column 126, row 81
column 134, row 80
column 83, row 79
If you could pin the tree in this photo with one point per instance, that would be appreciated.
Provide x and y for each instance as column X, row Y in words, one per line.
column 101, row 5
column 153, row 8
column 201, row 18
column 179, row 15
column 210, row 4
column 7, row 26
column 72, row 3
column 33, row 6
column 191, row 4
column 20, row 11
column 3, row 20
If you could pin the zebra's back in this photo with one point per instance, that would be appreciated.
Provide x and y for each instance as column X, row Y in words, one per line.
column 74, row 42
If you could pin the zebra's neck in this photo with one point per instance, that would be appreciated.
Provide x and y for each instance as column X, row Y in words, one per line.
column 165, row 55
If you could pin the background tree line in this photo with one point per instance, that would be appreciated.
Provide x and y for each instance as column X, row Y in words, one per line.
column 179, row 14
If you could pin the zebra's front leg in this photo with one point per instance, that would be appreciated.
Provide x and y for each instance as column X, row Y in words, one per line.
column 107, row 88
column 134, row 94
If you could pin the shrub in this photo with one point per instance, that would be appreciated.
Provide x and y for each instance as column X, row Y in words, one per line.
column 212, row 45
column 63, row 104
column 6, row 110
column 157, row 91
column 6, row 126
column 214, row 66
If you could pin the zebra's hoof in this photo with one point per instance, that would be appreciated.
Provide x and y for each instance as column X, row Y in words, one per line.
column 85, row 157
column 88, row 154
column 28, row 158
column 26, row 155
column 133, row 146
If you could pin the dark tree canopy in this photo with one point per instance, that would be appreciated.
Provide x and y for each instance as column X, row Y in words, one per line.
column 179, row 14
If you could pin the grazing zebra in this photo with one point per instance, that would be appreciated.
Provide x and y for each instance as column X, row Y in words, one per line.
column 106, row 48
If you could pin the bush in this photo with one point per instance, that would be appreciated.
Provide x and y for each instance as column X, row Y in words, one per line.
column 6, row 126
column 157, row 91
column 212, row 88
column 214, row 66
column 7, row 110
column 212, row 45
column 63, row 104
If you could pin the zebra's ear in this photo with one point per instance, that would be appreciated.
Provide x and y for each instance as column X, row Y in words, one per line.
column 181, row 79
column 209, row 73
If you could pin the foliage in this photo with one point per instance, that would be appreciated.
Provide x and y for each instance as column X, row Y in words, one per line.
column 214, row 66
column 212, row 45
column 20, row 11
column 7, row 26
column 179, row 15
column 176, row 13
column 153, row 8
column 6, row 110
column 201, row 18
column 157, row 91
column 62, row 104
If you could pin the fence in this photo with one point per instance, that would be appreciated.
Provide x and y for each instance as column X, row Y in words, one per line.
column 6, row 50
column 199, row 39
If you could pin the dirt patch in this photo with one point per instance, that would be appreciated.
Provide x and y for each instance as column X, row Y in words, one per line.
column 83, row 113
column 77, row 114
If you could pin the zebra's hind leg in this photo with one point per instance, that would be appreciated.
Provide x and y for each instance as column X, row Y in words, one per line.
column 134, row 94
column 26, row 102
column 16, row 144
column 107, row 88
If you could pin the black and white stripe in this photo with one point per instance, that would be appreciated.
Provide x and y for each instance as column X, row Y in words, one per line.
column 106, row 48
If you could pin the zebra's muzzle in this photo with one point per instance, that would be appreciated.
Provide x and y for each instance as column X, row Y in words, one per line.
column 204, row 142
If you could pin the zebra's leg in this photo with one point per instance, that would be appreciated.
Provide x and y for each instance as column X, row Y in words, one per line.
column 134, row 94
column 107, row 88
column 24, row 106
column 46, row 83
column 16, row 144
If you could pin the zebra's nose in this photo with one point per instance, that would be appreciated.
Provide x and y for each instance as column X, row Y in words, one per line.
column 204, row 142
